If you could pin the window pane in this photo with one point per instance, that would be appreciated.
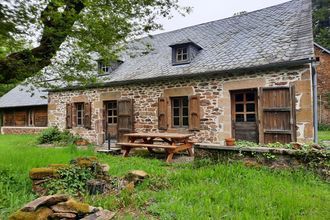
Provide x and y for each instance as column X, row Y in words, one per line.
column 185, row 57
column 251, row 117
column 239, row 118
column 250, row 97
column 185, row 101
column 185, row 121
column 176, row 102
column 115, row 112
column 250, row 107
column 110, row 120
column 239, row 97
column 185, row 112
column 115, row 120
column 79, row 121
column 239, row 107
column 79, row 114
column 176, row 111
column 176, row 121
column 184, row 50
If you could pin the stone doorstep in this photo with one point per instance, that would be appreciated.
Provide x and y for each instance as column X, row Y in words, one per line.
column 248, row 149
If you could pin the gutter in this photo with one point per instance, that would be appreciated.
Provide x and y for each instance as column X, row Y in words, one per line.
column 125, row 82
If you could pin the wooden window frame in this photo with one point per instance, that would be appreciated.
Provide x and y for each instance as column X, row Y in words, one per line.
column 82, row 111
column 113, row 117
column 244, row 102
column 181, row 116
column 179, row 52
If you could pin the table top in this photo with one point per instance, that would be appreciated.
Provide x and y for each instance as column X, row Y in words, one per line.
column 159, row 135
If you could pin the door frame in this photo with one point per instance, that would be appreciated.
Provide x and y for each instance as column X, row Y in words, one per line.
column 105, row 118
column 232, row 111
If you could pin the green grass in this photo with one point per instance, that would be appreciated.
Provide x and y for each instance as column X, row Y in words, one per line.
column 174, row 191
column 324, row 135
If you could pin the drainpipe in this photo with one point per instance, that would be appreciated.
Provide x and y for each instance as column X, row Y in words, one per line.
column 315, row 112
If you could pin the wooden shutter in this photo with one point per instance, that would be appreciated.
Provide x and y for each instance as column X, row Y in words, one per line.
column 88, row 115
column 104, row 119
column 277, row 115
column 40, row 117
column 194, row 113
column 69, row 115
column 125, row 119
column 162, row 113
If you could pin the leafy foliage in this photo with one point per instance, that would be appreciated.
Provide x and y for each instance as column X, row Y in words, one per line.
column 71, row 180
column 53, row 135
column 321, row 22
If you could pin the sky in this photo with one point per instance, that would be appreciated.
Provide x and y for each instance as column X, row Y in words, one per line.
column 210, row 10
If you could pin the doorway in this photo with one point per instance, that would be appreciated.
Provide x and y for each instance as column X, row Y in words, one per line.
column 244, row 108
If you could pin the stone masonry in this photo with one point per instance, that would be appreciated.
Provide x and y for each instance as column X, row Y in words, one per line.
column 323, row 84
column 214, row 100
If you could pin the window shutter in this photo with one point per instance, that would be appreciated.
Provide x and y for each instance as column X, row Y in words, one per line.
column 194, row 113
column 74, row 115
column 104, row 120
column 277, row 115
column 68, row 115
column 88, row 115
column 125, row 119
column 162, row 114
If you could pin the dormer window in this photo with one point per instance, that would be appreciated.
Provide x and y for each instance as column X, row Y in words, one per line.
column 105, row 68
column 184, row 52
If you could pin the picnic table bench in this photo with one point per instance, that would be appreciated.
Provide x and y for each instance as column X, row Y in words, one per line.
column 171, row 142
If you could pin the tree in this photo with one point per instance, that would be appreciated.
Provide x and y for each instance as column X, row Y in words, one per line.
column 321, row 22
column 102, row 26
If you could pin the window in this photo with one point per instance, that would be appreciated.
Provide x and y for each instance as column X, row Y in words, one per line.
column 182, row 54
column 245, row 106
column 80, row 114
column 180, row 112
column 112, row 112
column 103, row 68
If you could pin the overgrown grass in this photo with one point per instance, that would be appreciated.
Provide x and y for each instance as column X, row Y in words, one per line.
column 207, row 191
column 324, row 135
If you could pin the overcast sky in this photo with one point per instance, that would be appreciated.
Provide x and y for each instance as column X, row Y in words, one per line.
column 210, row 10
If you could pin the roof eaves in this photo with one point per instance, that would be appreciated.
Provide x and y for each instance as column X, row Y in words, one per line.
column 322, row 48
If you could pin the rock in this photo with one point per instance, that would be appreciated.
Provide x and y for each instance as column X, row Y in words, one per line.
column 85, row 161
column 42, row 173
column 44, row 201
column 130, row 186
column 136, row 176
column 96, row 186
column 64, row 215
column 43, row 213
column 79, row 206
column 62, row 207
column 105, row 167
column 317, row 146
column 296, row 145
column 100, row 215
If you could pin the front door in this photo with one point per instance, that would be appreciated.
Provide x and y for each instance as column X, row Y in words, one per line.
column 244, row 115
column 111, row 119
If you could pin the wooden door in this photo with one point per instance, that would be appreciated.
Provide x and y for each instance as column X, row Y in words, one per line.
column 111, row 119
column 124, row 119
column 244, row 115
column 277, row 112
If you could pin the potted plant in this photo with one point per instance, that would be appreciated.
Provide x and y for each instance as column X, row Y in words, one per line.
column 230, row 141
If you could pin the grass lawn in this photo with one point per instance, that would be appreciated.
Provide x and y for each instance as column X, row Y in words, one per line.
column 174, row 191
column 324, row 135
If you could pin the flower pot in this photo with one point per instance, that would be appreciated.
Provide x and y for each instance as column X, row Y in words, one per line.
column 230, row 141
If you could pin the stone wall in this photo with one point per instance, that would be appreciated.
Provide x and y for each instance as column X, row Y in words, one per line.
column 323, row 83
column 21, row 130
column 214, row 91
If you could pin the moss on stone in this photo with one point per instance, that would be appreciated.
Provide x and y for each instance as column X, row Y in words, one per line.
column 78, row 206
column 40, row 214
column 42, row 173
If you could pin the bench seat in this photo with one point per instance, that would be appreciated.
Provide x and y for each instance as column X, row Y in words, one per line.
column 136, row 145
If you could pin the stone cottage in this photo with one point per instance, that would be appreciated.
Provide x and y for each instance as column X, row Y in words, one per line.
column 247, row 77
column 323, row 83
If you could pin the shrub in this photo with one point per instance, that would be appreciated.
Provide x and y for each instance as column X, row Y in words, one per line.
column 53, row 135
column 324, row 127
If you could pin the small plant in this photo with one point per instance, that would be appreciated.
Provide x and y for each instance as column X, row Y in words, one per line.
column 71, row 180
column 241, row 143
column 269, row 156
column 53, row 135
column 324, row 127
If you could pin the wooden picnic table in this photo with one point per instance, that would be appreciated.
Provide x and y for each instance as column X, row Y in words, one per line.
column 170, row 142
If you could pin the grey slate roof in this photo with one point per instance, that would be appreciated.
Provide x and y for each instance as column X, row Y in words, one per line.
column 22, row 95
column 278, row 34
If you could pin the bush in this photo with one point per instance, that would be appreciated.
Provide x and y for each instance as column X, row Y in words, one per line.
column 53, row 135
column 324, row 127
